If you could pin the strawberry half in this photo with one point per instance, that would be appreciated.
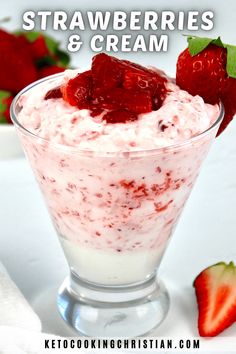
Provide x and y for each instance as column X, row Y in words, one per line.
column 208, row 68
column 216, row 297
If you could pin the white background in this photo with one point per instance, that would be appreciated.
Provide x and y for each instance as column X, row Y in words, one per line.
column 207, row 230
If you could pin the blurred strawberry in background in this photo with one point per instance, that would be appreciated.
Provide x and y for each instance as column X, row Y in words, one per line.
column 26, row 57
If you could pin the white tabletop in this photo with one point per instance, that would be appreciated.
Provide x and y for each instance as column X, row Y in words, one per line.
column 206, row 234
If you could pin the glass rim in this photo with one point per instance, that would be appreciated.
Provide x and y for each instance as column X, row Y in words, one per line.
column 76, row 150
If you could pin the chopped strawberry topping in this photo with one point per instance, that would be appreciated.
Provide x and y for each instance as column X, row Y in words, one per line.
column 95, row 110
column 78, row 91
column 140, row 80
column 119, row 116
column 53, row 93
column 132, row 100
column 136, row 79
column 119, row 88
column 106, row 71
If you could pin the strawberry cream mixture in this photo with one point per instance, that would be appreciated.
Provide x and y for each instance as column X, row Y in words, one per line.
column 115, row 204
column 179, row 118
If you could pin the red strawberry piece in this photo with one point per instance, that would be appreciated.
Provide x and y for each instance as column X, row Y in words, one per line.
column 131, row 100
column 49, row 70
column 205, row 74
column 148, row 80
column 129, row 64
column 6, row 99
column 17, row 68
column 53, row 93
column 216, row 297
column 119, row 116
column 109, row 72
column 78, row 91
column 123, row 88
column 39, row 47
column 95, row 110
column 137, row 79
column 106, row 71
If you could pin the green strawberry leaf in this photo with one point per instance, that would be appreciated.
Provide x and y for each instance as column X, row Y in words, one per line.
column 30, row 36
column 51, row 44
column 197, row 44
column 231, row 60
column 3, row 96
column 2, row 119
column 63, row 58
column 60, row 58
column 3, row 106
column 218, row 42
column 56, row 56
column 45, row 61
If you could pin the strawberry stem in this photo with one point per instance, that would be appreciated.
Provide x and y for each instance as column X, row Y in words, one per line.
column 5, row 19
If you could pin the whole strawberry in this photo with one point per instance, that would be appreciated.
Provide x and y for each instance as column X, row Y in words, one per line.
column 17, row 68
column 39, row 47
column 50, row 70
column 45, row 52
column 208, row 68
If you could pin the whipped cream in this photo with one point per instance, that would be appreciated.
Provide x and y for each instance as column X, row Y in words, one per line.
column 181, row 117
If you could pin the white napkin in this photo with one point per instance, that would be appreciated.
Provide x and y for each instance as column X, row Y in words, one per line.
column 14, row 309
column 20, row 327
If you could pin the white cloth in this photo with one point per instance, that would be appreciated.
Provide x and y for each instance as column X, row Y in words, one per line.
column 14, row 309
column 20, row 327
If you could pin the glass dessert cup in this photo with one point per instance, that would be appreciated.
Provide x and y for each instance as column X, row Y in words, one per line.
column 114, row 213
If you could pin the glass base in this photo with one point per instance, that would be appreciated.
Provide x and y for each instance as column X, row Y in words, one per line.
column 112, row 311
